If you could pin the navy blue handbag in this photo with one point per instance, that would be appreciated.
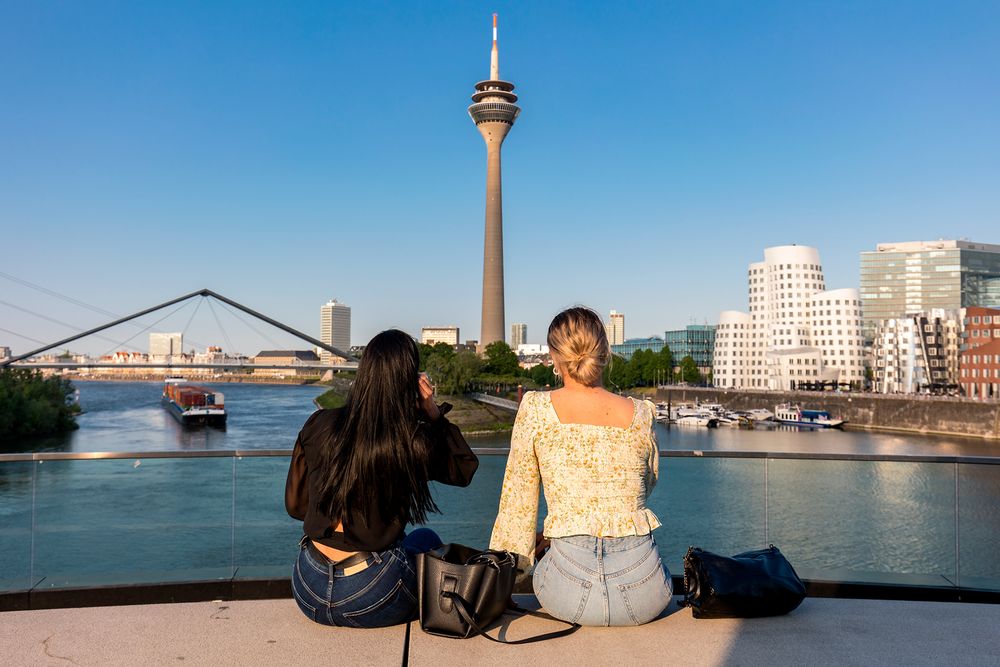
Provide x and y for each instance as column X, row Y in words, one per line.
column 750, row 584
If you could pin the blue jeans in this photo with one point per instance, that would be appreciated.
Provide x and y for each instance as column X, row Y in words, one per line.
column 384, row 593
column 603, row 580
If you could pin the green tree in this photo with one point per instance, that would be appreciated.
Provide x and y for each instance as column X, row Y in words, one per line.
column 645, row 367
column 616, row 373
column 542, row 375
column 500, row 359
column 466, row 366
column 444, row 350
column 665, row 364
column 689, row 371
column 31, row 405
column 426, row 352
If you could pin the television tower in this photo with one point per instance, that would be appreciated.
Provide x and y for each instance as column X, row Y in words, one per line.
column 494, row 111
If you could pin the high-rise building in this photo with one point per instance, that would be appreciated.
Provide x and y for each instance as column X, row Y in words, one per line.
column 163, row 345
column 494, row 111
column 518, row 335
column 905, row 279
column 616, row 328
column 334, row 328
column 627, row 348
column 796, row 333
column 917, row 353
column 435, row 335
column 4, row 352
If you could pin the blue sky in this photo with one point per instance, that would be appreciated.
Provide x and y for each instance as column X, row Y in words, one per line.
column 286, row 153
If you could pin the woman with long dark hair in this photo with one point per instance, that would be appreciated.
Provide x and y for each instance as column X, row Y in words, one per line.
column 359, row 474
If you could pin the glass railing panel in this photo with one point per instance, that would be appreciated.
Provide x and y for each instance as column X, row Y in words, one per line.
column 886, row 522
column 125, row 521
column 713, row 503
column 15, row 525
column 979, row 526
column 467, row 514
column 266, row 538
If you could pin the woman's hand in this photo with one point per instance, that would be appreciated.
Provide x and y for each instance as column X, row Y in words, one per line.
column 541, row 545
column 426, row 399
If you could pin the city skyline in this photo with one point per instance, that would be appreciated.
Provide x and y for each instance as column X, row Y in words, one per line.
column 838, row 127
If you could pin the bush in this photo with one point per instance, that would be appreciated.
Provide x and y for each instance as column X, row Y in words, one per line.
column 31, row 405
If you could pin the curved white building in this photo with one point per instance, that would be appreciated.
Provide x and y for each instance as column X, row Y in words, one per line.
column 836, row 331
column 792, row 338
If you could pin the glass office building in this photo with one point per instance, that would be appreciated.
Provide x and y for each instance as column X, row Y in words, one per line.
column 695, row 340
column 905, row 279
column 633, row 345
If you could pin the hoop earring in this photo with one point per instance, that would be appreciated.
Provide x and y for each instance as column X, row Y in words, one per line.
column 555, row 370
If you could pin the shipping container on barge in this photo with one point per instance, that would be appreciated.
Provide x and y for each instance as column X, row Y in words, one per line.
column 192, row 405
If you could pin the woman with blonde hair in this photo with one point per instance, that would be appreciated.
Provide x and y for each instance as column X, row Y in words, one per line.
column 595, row 455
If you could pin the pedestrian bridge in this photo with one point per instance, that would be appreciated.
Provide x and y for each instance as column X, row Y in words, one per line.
column 496, row 401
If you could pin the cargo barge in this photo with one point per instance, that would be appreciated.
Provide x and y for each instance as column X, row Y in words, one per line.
column 192, row 405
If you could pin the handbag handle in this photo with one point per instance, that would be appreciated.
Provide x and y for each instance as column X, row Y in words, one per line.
column 463, row 610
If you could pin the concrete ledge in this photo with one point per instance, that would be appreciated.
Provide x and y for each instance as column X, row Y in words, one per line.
column 274, row 632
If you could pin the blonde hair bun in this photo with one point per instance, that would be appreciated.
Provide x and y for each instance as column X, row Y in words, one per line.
column 577, row 336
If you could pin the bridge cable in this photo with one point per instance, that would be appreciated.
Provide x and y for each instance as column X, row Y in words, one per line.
column 195, row 312
column 74, row 301
column 225, row 336
column 139, row 333
column 276, row 344
column 53, row 320
column 14, row 333
column 57, row 295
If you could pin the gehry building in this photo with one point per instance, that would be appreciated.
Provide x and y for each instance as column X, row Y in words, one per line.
column 917, row 353
column 796, row 334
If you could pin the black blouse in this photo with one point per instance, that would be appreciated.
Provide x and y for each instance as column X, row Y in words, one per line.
column 451, row 462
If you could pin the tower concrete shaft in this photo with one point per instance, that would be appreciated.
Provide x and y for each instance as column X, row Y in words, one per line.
column 494, row 111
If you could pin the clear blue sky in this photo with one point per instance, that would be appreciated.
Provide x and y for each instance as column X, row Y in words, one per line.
column 286, row 153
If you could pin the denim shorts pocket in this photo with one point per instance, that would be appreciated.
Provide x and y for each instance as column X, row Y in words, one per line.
column 647, row 598
column 397, row 606
column 562, row 594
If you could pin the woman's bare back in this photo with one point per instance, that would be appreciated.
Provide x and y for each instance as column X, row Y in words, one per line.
column 594, row 406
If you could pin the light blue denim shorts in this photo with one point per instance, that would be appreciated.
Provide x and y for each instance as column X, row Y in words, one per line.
column 603, row 580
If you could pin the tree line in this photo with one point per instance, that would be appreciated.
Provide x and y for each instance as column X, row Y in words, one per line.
column 453, row 372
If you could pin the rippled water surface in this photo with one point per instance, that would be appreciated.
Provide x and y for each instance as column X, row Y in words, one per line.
column 85, row 522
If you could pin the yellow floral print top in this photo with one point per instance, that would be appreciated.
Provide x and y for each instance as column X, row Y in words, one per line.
column 595, row 478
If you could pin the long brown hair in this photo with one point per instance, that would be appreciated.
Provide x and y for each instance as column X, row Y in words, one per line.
column 376, row 455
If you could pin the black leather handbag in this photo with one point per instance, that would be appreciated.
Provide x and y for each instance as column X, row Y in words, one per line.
column 462, row 590
column 755, row 583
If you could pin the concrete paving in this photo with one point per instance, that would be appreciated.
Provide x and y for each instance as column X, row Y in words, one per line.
column 274, row 632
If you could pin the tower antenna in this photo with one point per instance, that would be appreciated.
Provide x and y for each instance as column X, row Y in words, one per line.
column 494, row 54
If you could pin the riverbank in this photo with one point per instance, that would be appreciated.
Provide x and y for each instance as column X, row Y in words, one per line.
column 937, row 415
column 472, row 417
column 206, row 378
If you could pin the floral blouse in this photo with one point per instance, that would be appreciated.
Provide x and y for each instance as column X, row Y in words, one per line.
column 595, row 478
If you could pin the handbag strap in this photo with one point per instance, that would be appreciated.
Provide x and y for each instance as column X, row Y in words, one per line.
column 463, row 610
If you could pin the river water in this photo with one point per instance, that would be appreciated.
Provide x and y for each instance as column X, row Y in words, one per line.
column 112, row 521
column 127, row 416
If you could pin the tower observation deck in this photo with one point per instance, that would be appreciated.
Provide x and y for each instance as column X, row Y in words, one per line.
column 494, row 111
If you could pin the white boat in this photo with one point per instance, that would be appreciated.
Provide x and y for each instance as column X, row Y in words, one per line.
column 697, row 420
column 759, row 414
column 662, row 412
column 788, row 413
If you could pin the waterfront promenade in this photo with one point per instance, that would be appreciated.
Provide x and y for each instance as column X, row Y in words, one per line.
column 273, row 632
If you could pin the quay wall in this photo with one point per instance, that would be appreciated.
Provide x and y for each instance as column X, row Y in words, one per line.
column 930, row 415
column 193, row 377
